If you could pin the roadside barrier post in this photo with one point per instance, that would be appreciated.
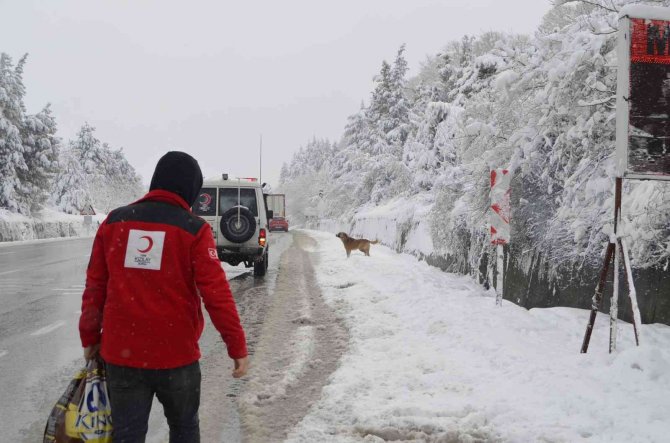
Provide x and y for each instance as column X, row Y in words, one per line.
column 499, row 217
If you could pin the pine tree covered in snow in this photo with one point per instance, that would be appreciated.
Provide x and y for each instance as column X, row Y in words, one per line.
column 11, row 145
column 380, row 104
column 41, row 149
column 388, row 111
column 71, row 191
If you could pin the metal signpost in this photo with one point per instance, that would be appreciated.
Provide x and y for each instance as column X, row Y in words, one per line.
column 642, row 137
column 88, row 212
column 499, row 217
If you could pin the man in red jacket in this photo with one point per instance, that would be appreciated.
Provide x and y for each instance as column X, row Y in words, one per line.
column 151, row 263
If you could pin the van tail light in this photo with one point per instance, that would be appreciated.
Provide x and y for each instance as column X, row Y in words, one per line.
column 262, row 237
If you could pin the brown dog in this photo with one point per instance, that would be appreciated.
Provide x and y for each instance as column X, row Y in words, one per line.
column 351, row 244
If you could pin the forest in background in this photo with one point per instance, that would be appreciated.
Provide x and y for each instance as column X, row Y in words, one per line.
column 38, row 169
column 542, row 106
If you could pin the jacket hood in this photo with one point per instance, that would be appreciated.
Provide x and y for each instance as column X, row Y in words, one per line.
column 179, row 173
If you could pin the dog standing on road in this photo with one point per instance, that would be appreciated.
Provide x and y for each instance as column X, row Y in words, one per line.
column 352, row 244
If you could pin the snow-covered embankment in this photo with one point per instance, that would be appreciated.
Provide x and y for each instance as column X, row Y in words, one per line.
column 46, row 224
column 431, row 358
column 403, row 224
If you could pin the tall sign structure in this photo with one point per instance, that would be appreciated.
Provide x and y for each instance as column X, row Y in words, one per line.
column 642, row 137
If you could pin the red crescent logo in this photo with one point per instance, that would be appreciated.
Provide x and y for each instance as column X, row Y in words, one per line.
column 151, row 245
column 207, row 199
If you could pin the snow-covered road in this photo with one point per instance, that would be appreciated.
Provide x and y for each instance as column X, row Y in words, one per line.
column 40, row 297
column 365, row 349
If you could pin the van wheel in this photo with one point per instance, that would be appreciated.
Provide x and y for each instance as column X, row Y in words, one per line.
column 238, row 229
column 261, row 267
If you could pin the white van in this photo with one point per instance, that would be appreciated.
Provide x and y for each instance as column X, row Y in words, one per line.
column 236, row 211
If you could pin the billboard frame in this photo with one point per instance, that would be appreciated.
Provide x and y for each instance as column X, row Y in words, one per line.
column 623, row 87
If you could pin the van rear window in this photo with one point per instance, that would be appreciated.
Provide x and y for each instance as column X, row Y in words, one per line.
column 228, row 199
column 205, row 205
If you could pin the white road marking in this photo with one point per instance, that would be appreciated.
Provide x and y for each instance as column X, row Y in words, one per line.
column 3, row 353
column 12, row 272
column 30, row 268
column 48, row 328
column 38, row 242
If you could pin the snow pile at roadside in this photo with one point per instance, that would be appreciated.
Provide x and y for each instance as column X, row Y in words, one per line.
column 47, row 223
column 431, row 358
column 403, row 224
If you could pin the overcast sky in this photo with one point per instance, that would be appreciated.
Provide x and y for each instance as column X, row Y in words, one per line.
column 207, row 77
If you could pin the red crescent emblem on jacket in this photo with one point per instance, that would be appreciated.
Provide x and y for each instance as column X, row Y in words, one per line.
column 151, row 245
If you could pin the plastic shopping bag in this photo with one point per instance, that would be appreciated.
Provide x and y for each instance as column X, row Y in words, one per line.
column 55, row 429
column 83, row 413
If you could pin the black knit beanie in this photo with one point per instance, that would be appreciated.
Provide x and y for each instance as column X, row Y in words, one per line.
column 179, row 173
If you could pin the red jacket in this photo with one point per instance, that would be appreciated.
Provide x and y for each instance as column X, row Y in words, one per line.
column 151, row 263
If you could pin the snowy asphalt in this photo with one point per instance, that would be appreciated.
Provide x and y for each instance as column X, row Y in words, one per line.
column 40, row 296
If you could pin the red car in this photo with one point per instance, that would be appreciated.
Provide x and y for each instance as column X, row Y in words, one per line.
column 278, row 224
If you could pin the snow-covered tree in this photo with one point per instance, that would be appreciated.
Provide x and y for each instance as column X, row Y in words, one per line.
column 115, row 183
column 41, row 149
column 71, row 190
column 11, row 145
column 398, row 112
column 90, row 172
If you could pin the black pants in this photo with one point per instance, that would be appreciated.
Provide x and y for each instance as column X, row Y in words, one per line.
column 131, row 392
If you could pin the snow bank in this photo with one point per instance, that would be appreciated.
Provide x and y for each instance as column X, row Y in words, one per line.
column 431, row 358
column 48, row 223
column 402, row 223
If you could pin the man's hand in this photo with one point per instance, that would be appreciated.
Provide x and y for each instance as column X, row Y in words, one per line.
column 241, row 367
column 90, row 352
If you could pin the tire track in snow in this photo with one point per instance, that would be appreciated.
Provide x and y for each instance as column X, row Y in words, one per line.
column 219, row 417
column 300, row 346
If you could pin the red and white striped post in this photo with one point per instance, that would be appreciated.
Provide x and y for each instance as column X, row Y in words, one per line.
column 499, row 217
